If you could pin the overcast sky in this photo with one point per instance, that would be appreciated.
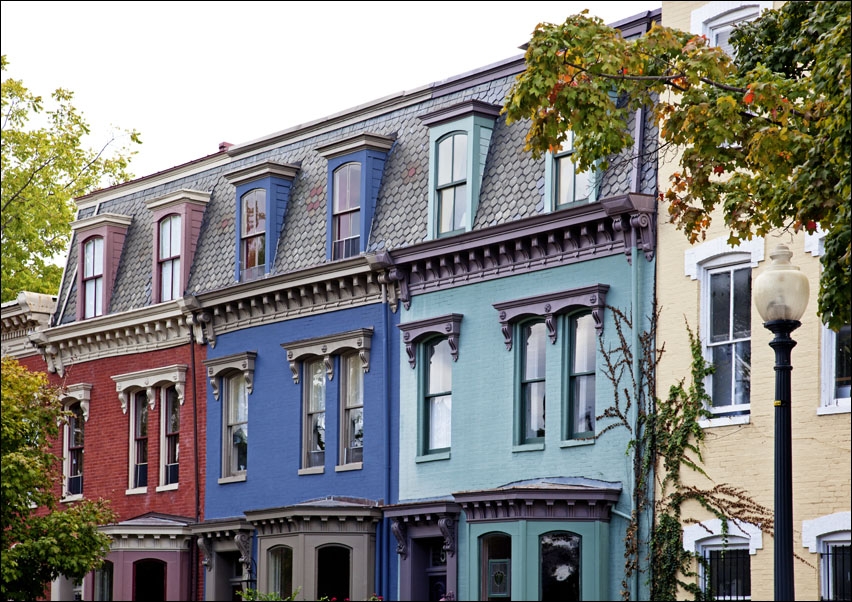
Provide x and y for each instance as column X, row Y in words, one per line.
column 189, row 75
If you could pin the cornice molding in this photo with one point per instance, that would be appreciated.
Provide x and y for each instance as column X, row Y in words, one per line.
column 180, row 197
column 523, row 503
column 264, row 169
column 353, row 144
column 135, row 331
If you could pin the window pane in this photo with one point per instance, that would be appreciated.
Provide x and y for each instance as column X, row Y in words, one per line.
column 281, row 571
column 176, row 287
column 316, row 373
column 354, row 185
column 173, row 410
column 166, row 281
column 742, row 303
column 534, row 354
column 583, row 397
column 560, row 566
column 565, row 167
column 839, row 571
column 459, row 157
column 89, row 259
column 318, row 431
column 237, row 400
column 720, row 307
column 584, row 344
column 354, row 380
column 460, row 206
column 843, row 362
column 176, row 234
column 534, row 410
column 722, row 376
column 446, row 211
column 98, row 267
column 440, row 368
column 581, row 186
column 742, row 385
column 440, row 413
column 165, row 239
column 254, row 212
column 91, row 298
column 445, row 161
column 239, row 454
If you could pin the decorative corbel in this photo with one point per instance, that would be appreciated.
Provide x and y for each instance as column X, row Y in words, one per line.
column 180, row 389
column 214, row 382
column 206, row 549
column 151, row 394
column 123, row 398
column 399, row 532
column 243, row 542
column 448, row 325
column 328, row 362
column 506, row 329
column 84, row 405
column 447, row 526
column 294, row 366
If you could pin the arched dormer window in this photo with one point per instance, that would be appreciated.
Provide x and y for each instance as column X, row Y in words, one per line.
column 252, row 234
column 346, row 221
column 93, row 277
column 169, row 253
column 451, row 183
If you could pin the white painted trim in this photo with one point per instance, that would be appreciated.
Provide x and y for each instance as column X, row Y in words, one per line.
column 703, row 16
column 829, row 404
column 697, row 255
column 724, row 421
column 814, row 530
column 709, row 532
column 815, row 243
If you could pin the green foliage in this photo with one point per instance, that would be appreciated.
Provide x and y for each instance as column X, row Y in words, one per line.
column 666, row 438
column 45, row 166
column 39, row 541
column 766, row 138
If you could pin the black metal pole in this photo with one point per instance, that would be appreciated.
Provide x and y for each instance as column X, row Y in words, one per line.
column 783, row 344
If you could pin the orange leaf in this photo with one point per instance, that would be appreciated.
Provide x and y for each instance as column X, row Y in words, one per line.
column 749, row 97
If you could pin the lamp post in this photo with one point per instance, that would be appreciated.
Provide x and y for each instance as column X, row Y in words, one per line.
column 780, row 296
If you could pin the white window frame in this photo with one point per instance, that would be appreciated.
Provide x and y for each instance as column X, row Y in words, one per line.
column 93, row 273
column 819, row 535
column 164, row 436
column 227, row 471
column 150, row 401
column 74, row 394
column 699, row 261
column 716, row 17
column 708, row 535
column 173, row 257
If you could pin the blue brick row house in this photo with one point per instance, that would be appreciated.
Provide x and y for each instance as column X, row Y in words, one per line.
column 402, row 316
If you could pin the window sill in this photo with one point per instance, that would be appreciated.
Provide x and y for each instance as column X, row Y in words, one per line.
column 527, row 447
column 837, row 406
column 577, row 442
column 312, row 470
column 72, row 498
column 240, row 478
column 170, row 487
column 350, row 466
column 136, row 491
column 433, row 457
column 724, row 421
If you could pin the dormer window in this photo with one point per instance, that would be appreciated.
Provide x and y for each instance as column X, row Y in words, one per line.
column 567, row 185
column 262, row 193
column 253, row 234
column 459, row 137
column 452, row 183
column 169, row 258
column 355, row 168
column 177, row 220
column 101, row 239
column 93, row 277
column 346, row 226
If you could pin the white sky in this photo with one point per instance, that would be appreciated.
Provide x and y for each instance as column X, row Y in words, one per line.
column 189, row 75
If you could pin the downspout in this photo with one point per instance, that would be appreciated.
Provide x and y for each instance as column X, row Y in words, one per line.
column 195, row 575
column 385, row 543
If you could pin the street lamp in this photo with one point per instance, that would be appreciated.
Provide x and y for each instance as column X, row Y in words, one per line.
column 780, row 296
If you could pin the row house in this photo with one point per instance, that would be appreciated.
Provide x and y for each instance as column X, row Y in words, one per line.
column 710, row 283
column 411, row 317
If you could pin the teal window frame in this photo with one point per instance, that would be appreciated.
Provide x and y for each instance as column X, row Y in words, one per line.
column 523, row 381
column 569, row 353
column 552, row 166
column 425, row 396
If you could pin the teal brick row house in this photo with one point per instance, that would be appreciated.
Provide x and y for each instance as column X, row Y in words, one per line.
column 394, row 321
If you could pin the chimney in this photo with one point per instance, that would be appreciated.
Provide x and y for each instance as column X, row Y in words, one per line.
column 223, row 146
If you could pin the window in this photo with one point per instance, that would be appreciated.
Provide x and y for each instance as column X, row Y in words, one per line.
column 717, row 20
column 170, row 437
column 253, row 234
column 531, row 381
column 560, row 566
column 434, row 342
column 75, row 434
column 333, row 572
column 728, row 302
column 569, row 186
column 103, row 582
column 352, row 408
column 347, row 203
column 527, row 325
column 725, row 569
column 139, row 441
column 313, row 362
column 496, row 566
column 830, row 537
column 314, row 418
column 280, row 571
column 169, row 257
column 235, row 426
column 836, row 370
column 452, row 183
column 93, row 277
column 437, row 405
column 459, row 137
column 581, row 377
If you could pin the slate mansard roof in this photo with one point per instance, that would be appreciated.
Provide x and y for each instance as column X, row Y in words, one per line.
column 513, row 188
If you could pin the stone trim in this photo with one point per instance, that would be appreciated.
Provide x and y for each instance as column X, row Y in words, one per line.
column 360, row 340
column 414, row 332
column 551, row 305
column 80, row 392
column 148, row 380
column 237, row 362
